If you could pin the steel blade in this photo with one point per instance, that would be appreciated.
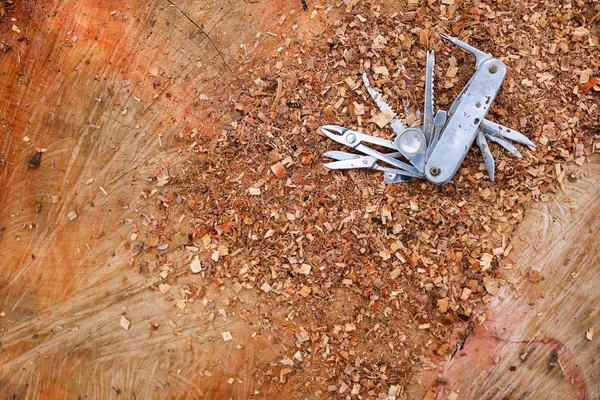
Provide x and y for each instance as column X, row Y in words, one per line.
column 488, row 159
column 341, row 155
column 512, row 149
column 428, row 123
column 498, row 130
column 406, row 168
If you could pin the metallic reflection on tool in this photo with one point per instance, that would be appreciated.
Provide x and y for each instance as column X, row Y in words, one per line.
column 436, row 151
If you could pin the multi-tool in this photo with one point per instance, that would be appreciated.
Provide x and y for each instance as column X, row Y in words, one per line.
column 436, row 151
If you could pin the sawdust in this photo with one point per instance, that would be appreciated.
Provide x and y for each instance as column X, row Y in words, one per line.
column 359, row 284
column 409, row 262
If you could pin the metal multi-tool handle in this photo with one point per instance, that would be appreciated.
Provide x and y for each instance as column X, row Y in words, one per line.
column 436, row 151
column 461, row 127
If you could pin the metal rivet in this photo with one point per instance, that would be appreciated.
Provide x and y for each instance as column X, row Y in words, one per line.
column 494, row 69
column 365, row 161
column 351, row 138
column 435, row 171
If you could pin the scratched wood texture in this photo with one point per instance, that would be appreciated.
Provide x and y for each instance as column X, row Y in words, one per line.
column 72, row 87
column 62, row 286
column 535, row 347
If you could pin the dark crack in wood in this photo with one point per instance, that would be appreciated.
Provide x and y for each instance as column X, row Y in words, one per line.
column 204, row 33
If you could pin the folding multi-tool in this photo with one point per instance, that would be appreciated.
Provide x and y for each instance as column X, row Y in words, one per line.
column 436, row 151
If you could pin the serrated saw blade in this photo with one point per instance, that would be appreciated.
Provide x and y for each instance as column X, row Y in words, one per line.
column 428, row 120
column 396, row 123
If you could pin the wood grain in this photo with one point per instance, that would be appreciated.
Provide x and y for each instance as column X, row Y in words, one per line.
column 535, row 347
column 105, row 87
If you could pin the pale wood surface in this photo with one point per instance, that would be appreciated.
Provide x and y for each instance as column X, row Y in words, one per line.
column 65, row 284
column 539, row 328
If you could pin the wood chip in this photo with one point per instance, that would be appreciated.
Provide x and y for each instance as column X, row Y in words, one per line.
column 580, row 33
column 287, row 361
column 486, row 261
column 534, row 275
column 124, row 322
column 72, row 215
column 382, row 70
column 442, row 349
column 269, row 233
column 305, row 291
column 283, row 373
column 305, row 269
column 442, row 305
column 351, row 84
column 451, row 72
column 35, row 160
column 465, row 293
column 265, row 287
column 164, row 288
column 278, row 170
column 227, row 336
column 343, row 387
column 383, row 118
column 196, row 265
column 491, row 286
column 278, row 93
